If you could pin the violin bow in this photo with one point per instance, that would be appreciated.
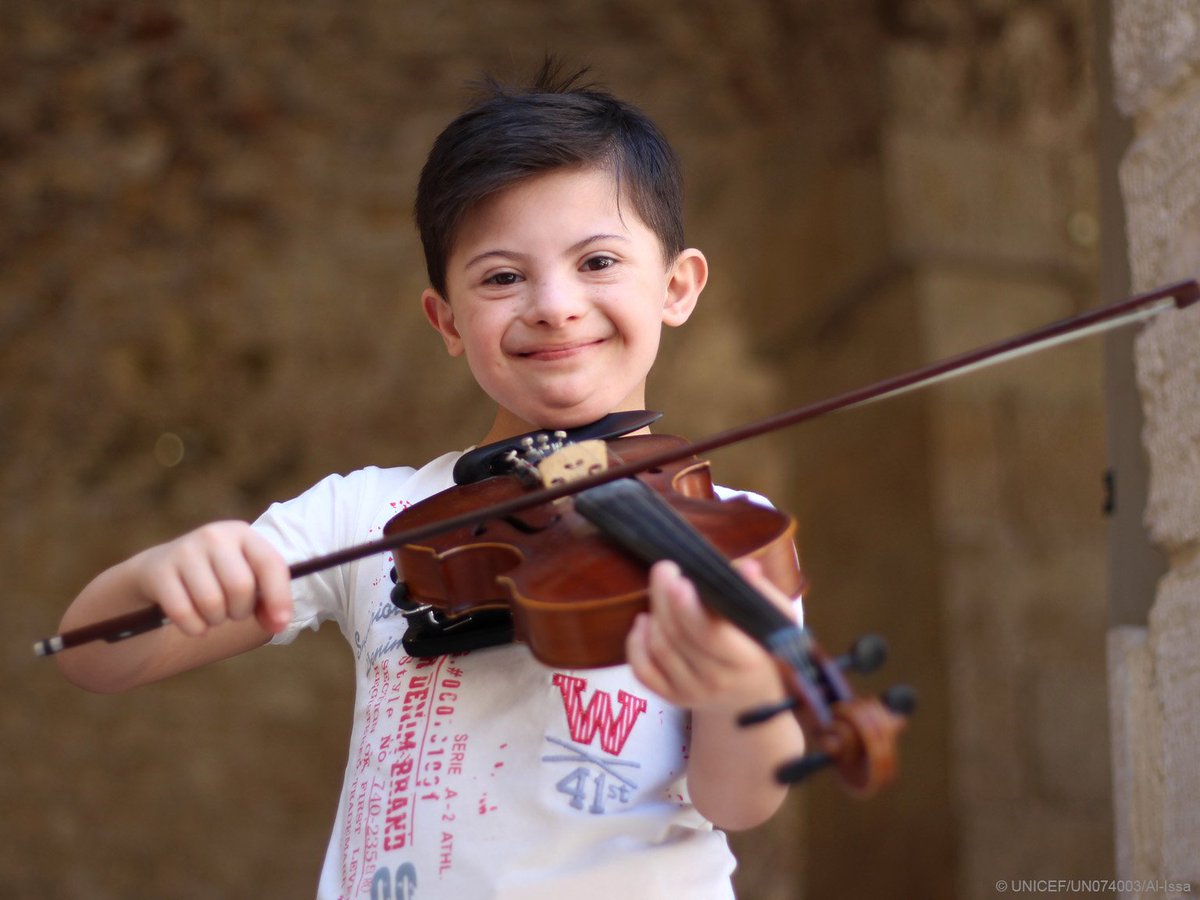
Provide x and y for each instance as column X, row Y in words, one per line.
column 1115, row 315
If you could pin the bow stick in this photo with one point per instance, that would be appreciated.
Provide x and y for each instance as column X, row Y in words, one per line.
column 1124, row 312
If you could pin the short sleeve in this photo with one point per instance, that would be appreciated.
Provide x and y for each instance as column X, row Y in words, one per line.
column 338, row 512
column 331, row 515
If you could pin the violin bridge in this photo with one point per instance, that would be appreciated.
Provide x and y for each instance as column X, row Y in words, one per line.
column 574, row 461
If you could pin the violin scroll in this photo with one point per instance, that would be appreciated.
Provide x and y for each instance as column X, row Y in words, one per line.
column 860, row 744
column 856, row 735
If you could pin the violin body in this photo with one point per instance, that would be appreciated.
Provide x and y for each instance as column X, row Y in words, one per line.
column 573, row 593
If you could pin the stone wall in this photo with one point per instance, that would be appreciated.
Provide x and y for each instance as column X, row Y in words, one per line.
column 208, row 283
column 1152, row 666
column 994, row 204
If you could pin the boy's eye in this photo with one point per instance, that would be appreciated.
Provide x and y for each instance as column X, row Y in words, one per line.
column 502, row 279
column 596, row 263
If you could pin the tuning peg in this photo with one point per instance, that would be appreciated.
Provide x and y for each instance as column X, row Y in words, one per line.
column 900, row 699
column 799, row 769
column 399, row 594
column 865, row 655
column 763, row 713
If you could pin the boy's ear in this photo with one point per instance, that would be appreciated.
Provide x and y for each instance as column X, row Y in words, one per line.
column 689, row 274
column 441, row 317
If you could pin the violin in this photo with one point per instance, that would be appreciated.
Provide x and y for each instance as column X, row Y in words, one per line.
column 534, row 573
column 572, row 574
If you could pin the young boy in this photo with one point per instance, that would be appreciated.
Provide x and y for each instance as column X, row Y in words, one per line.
column 552, row 226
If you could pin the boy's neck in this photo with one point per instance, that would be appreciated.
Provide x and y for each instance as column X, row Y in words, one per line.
column 505, row 425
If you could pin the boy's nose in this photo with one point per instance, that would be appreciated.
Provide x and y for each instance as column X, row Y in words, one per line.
column 553, row 302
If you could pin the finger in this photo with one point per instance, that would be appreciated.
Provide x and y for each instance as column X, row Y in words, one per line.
column 677, row 614
column 170, row 593
column 696, row 632
column 688, row 672
column 670, row 595
column 204, row 589
column 274, row 607
column 638, row 657
column 752, row 571
column 237, row 581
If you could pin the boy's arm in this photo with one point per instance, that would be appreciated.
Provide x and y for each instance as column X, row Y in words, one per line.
column 223, row 586
column 705, row 664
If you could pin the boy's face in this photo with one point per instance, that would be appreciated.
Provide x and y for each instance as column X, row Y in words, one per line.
column 557, row 296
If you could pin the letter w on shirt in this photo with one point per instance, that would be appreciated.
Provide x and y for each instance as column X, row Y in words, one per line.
column 597, row 717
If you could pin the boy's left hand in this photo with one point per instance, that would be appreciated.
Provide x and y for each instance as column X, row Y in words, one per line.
column 695, row 659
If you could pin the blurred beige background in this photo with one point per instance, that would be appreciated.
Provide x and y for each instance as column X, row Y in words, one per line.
column 208, row 300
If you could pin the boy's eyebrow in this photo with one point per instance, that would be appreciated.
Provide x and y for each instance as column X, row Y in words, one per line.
column 579, row 245
column 574, row 248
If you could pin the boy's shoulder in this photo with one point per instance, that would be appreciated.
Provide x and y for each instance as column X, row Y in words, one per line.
column 413, row 484
column 393, row 486
column 728, row 493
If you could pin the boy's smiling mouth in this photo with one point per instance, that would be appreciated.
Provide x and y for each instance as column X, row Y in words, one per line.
column 553, row 352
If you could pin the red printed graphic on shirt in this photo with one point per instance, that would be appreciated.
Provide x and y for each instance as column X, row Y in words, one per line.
column 585, row 722
column 594, row 782
column 409, row 765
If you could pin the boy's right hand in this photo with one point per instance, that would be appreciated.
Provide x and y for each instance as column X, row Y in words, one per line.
column 219, row 572
column 224, row 586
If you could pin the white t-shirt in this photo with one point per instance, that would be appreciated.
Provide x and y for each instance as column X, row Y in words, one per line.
column 486, row 774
